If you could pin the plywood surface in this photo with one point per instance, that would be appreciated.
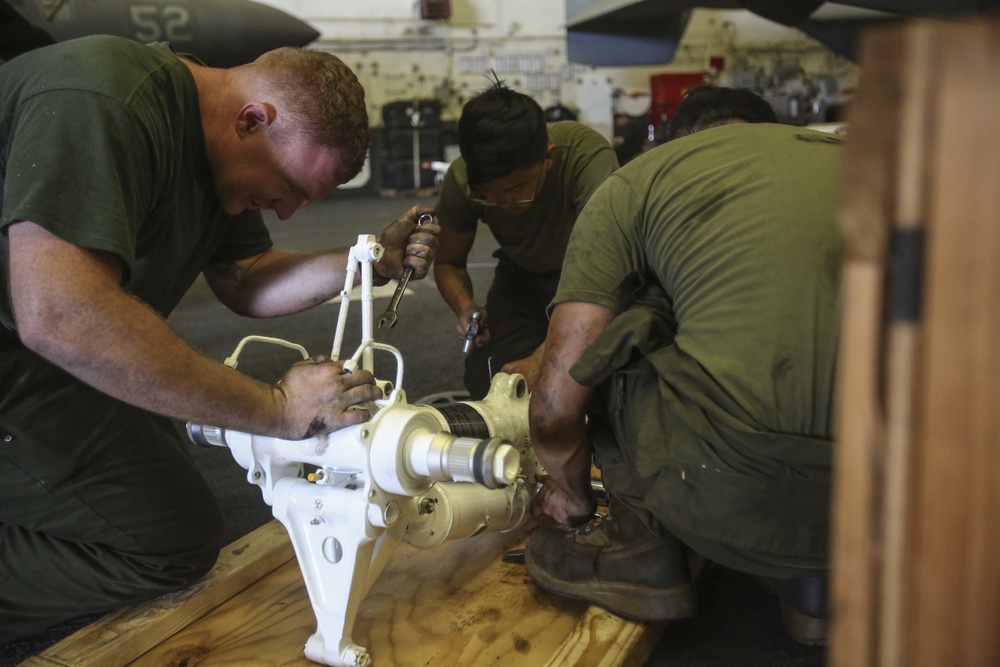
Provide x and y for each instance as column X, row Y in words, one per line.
column 119, row 637
column 456, row 604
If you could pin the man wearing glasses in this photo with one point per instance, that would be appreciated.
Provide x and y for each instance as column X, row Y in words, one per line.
column 527, row 181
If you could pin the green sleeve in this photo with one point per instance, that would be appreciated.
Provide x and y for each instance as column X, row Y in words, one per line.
column 596, row 160
column 56, row 143
column 453, row 209
column 605, row 262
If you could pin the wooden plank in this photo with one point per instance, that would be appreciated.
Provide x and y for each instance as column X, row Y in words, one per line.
column 903, row 341
column 459, row 604
column 867, row 208
column 601, row 639
column 955, row 573
column 868, row 171
column 265, row 624
column 122, row 636
column 916, row 577
column 455, row 604
column 855, row 563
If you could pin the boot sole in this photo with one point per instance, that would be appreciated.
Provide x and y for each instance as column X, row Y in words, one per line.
column 633, row 601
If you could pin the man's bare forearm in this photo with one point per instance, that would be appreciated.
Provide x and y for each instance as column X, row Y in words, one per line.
column 558, row 428
column 455, row 286
column 148, row 365
column 78, row 318
column 70, row 309
column 558, row 402
column 279, row 282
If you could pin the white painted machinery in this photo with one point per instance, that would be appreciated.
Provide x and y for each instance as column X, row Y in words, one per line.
column 419, row 474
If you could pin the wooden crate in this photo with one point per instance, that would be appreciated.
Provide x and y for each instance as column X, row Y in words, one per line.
column 917, row 484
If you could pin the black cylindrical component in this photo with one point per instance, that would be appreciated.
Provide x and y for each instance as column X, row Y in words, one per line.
column 464, row 420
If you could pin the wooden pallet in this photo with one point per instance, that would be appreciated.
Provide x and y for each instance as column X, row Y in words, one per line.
column 456, row 604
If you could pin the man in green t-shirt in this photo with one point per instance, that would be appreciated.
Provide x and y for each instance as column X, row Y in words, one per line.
column 125, row 172
column 526, row 181
column 699, row 303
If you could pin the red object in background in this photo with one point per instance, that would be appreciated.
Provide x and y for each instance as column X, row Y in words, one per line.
column 435, row 9
column 666, row 93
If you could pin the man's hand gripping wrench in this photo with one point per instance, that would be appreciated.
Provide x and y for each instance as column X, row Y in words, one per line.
column 389, row 316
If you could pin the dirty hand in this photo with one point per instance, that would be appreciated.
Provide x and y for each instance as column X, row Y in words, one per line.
column 566, row 508
column 317, row 396
column 465, row 317
column 529, row 367
column 407, row 245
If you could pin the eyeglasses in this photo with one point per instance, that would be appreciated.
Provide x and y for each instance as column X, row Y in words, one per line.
column 476, row 198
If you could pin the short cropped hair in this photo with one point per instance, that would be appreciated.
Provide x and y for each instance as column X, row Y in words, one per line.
column 323, row 100
column 501, row 130
column 707, row 106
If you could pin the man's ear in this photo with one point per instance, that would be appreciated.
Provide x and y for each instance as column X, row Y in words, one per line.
column 549, row 152
column 253, row 116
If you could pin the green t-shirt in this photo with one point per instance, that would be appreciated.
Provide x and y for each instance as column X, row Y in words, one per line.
column 101, row 143
column 737, row 226
column 536, row 239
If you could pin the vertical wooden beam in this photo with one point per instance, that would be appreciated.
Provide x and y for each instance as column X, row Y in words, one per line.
column 954, row 575
column 867, row 208
column 902, row 366
column 916, row 554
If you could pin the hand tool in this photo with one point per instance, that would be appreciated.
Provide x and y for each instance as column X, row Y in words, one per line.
column 389, row 316
column 471, row 332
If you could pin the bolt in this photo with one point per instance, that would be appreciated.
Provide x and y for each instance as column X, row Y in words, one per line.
column 257, row 476
column 7, row 437
column 318, row 504
column 427, row 505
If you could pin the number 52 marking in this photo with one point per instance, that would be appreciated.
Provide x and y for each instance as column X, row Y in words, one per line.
column 154, row 23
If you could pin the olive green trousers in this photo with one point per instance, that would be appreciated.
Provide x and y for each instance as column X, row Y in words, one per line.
column 100, row 503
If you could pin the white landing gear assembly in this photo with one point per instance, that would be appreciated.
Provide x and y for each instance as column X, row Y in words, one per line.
column 412, row 473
